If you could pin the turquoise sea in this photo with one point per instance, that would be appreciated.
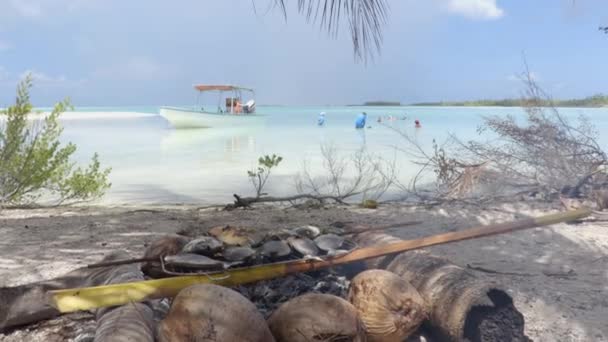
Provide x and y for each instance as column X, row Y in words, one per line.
column 155, row 164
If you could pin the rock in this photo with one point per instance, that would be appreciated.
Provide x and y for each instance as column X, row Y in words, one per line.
column 238, row 253
column 329, row 242
column 275, row 250
column 304, row 246
column 189, row 260
column 205, row 245
column 310, row 232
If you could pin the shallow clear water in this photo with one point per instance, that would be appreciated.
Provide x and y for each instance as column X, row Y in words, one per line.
column 152, row 163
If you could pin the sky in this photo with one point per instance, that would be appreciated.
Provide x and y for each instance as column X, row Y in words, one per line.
column 136, row 52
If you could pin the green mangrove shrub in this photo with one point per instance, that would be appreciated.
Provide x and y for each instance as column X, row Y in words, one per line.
column 34, row 163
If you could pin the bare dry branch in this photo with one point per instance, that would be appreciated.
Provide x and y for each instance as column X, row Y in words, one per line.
column 543, row 154
column 370, row 176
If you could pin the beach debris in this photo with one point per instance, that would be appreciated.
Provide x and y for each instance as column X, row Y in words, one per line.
column 329, row 242
column 601, row 198
column 229, row 246
column 28, row 303
column 208, row 312
column 275, row 250
column 389, row 306
column 350, row 228
column 234, row 236
column 270, row 294
column 127, row 323
column 86, row 298
column 316, row 317
column 303, row 245
column 341, row 224
column 280, row 234
column 337, row 252
column 308, row 231
column 204, row 245
column 166, row 245
column 369, row 204
column 133, row 322
column 190, row 260
column 238, row 253
column 559, row 271
column 462, row 306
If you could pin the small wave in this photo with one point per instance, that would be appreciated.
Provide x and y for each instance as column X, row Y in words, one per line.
column 91, row 115
column 104, row 115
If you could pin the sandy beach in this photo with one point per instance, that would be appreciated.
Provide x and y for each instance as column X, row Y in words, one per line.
column 435, row 117
column 556, row 275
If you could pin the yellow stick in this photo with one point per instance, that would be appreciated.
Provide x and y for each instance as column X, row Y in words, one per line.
column 119, row 294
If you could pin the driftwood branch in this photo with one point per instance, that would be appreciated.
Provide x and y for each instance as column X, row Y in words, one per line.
column 244, row 202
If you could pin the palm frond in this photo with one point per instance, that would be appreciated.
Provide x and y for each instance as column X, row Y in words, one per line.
column 365, row 20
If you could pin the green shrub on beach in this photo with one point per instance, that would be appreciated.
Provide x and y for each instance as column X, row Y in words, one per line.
column 34, row 164
column 259, row 176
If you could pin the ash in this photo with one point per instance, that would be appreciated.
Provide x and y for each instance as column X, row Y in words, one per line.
column 269, row 295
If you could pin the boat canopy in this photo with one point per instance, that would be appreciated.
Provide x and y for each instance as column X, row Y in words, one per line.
column 219, row 87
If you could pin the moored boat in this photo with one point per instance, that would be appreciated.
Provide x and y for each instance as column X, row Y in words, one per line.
column 231, row 111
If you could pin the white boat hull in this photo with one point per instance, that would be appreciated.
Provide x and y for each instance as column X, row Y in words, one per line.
column 189, row 118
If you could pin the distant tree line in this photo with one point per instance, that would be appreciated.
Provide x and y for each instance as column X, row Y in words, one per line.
column 599, row 100
column 382, row 103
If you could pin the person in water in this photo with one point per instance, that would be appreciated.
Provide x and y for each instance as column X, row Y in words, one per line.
column 321, row 119
column 360, row 123
column 417, row 122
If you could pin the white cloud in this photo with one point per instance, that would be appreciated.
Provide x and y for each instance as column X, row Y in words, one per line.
column 137, row 68
column 513, row 78
column 4, row 75
column 44, row 79
column 41, row 77
column 8, row 77
column 559, row 85
column 4, row 45
column 35, row 9
column 476, row 9
column 74, row 5
column 26, row 8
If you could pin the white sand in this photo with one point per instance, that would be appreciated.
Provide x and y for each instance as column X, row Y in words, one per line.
column 559, row 277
